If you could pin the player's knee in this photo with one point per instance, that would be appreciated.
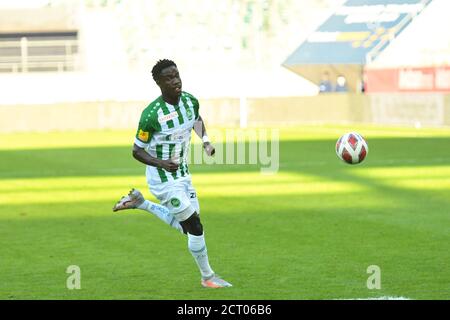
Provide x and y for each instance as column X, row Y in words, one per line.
column 196, row 225
column 193, row 225
column 198, row 229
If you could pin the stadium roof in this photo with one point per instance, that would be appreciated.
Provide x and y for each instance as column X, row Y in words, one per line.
column 352, row 37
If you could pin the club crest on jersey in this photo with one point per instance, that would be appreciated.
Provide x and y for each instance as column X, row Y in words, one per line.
column 167, row 117
column 189, row 113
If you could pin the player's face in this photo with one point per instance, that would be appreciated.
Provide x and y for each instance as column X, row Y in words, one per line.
column 170, row 82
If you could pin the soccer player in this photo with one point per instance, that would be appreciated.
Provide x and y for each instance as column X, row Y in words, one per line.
column 162, row 142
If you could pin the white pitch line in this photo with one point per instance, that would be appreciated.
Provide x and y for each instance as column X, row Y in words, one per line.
column 375, row 162
column 380, row 298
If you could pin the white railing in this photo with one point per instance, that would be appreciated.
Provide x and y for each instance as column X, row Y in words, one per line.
column 27, row 61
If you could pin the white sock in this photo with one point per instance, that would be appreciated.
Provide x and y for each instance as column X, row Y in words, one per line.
column 162, row 213
column 197, row 247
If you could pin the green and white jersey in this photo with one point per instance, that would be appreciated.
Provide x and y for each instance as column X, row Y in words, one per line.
column 165, row 133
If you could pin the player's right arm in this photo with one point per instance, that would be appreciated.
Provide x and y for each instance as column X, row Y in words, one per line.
column 142, row 156
column 144, row 134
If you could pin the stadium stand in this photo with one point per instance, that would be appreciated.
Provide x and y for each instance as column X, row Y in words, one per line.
column 38, row 39
column 356, row 34
column 92, row 59
column 122, row 39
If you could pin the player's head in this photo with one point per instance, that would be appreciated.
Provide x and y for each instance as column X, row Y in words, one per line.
column 341, row 81
column 166, row 75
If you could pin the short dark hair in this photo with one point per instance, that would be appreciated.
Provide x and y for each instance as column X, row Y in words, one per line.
column 160, row 66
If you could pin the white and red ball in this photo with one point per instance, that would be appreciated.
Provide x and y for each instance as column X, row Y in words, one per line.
column 352, row 148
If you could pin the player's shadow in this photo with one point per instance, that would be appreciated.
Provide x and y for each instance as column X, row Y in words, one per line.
column 397, row 199
column 315, row 158
column 303, row 156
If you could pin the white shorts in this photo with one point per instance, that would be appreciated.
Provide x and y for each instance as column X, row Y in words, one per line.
column 179, row 196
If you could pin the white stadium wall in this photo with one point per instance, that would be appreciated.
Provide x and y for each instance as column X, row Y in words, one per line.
column 385, row 109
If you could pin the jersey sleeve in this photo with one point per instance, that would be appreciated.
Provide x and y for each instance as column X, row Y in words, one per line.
column 145, row 130
column 196, row 105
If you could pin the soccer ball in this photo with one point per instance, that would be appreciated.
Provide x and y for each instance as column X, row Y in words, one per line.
column 352, row 148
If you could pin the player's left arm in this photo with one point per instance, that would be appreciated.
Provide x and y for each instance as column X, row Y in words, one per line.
column 200, row 130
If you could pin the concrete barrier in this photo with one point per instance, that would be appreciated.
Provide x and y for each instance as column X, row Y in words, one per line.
column 392, row 109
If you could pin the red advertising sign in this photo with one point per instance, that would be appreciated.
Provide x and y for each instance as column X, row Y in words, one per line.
column 431, row 79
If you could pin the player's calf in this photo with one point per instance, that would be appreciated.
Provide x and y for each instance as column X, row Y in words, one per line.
column 135, row 200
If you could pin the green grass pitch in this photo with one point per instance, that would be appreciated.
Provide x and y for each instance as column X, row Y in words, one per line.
column 308, row 232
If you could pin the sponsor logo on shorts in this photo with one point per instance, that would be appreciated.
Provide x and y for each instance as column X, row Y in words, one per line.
column 175, row 202
column 192, row 195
